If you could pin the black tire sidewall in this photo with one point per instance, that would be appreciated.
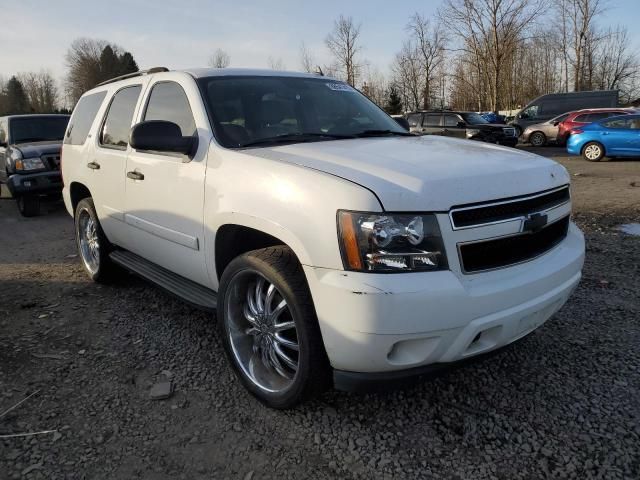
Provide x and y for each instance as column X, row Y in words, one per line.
column 306, row 324
column 104, row 266
column 28, row 206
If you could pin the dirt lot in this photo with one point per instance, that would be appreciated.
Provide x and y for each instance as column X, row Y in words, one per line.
column 563, row 403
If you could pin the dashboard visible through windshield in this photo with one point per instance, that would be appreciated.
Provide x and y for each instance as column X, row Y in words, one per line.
column 262, row 110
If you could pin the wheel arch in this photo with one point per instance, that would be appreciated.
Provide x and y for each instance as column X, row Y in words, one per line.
column 235, row 238
column 77, row 192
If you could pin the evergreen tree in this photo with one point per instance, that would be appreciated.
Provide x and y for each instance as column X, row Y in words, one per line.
column 109, row 64
column 394, row 102
column 127, row 64
column 16, row 101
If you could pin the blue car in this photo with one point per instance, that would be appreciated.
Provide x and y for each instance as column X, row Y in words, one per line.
column 614, row 137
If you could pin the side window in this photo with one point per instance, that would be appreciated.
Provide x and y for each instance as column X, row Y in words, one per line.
column 117, row 123
column 582, row 118
column 169, row 102
column 530, row 112
column 594, row 117
column 82, row 118
column 432, row 120
column 617, row 123
column 634, row 123
column 414, row 119
column 450, row 120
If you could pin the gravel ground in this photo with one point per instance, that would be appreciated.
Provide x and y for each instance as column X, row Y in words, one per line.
column 563, row 403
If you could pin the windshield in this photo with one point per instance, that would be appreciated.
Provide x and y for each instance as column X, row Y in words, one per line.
column 37, row 129
column 560, row 118
column 474, row 118
column 257, row 110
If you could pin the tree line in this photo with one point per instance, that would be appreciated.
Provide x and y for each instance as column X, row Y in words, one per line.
column 473, row 55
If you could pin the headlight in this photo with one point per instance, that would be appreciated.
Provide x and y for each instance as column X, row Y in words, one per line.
column 390, row 242
column 472, row 131
column 29, row 164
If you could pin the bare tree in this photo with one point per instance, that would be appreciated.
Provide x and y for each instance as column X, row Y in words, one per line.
column 489, row 30
column 276, row 63
column 306, row 59
column 616, row 63
column 83, row 65
column 343, row 44
column 407, row 72
column 430, row 45
column 40, row 88
column 219, row 59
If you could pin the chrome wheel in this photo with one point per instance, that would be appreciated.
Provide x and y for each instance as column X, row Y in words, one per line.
column 88, row 242
column 592, row 152
column 261, row 331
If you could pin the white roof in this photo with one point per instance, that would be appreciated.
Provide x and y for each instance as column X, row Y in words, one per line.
column 226, row 72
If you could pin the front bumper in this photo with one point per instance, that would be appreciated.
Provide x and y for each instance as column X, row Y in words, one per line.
column 42, row 183
column 394, row 322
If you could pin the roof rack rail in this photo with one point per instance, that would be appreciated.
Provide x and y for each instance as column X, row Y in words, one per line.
column 134, row 74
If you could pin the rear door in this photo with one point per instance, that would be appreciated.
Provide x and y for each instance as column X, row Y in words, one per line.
column 431, row 124
column 164, row 205
column 108, row 161
column 618, row 137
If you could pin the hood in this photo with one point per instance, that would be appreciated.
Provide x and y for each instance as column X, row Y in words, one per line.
column 426, row 173
column 37, row 149
column 488, row 126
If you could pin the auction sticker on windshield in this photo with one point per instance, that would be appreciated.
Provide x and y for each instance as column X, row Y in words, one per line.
column 339, row 87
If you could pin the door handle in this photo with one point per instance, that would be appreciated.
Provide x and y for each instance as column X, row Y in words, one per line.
column 93, row 165
column 135, row 175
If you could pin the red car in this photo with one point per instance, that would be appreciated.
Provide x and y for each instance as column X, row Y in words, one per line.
column 586, row 116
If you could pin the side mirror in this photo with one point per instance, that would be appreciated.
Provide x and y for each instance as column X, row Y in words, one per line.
column 403, row 122
column 556, row 123
column 162, row 136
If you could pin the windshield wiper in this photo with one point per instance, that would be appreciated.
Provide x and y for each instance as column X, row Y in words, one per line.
column 295, row 137
column 381, row 133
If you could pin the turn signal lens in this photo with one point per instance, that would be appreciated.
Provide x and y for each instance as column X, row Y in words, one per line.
column 350, row 241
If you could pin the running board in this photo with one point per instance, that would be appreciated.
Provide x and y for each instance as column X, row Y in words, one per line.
column 191, row 292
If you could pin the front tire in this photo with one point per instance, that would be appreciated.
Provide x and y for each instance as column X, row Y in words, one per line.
column 269, row 328
column 593, row 152
column 538, row 139
column 28, row 205
column 93, row 245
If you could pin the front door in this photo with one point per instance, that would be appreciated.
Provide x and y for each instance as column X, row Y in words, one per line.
column 453, row 126
column 165, row 191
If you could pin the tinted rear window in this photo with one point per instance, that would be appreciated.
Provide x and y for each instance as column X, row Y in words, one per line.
column 82, row 118
column 117, row 124
column 432, row 119
column 37, row 129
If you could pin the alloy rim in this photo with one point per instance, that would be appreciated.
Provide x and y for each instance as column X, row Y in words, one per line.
column 262, row 332
column 536, row 140
column 88, row 239
column 592, row 152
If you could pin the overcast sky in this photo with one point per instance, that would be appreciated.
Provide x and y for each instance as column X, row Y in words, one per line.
column 35, row 34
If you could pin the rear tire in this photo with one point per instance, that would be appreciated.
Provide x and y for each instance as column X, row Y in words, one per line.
column 93, row 245
column 593, row 152
column 538, row 139
column 28, row 205
column 269, row 328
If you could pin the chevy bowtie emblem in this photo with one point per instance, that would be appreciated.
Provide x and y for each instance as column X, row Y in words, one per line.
column 534, row 222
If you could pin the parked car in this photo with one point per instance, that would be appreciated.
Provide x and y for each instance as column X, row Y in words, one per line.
column 30, row 158
column 337, row 248
column 469, row 125
column 613, row 137
column 539, row 134
column 548, row 106
column 583, row 117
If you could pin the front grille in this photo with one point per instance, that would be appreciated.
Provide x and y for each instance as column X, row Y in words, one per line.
column 505, row 251
column 509, row 131
column 52, row 161
column 507, row 209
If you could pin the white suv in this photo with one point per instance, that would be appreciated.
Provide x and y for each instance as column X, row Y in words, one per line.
column 337, row 248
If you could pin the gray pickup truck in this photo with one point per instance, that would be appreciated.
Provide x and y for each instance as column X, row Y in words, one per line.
column 30, row 158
